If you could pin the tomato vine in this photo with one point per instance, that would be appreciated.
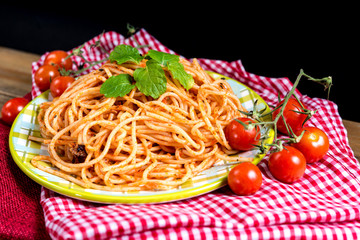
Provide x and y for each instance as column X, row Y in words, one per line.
column 258, row 115
column 97, row 44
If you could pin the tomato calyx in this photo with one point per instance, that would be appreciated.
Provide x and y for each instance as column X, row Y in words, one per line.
column 325, row 81
column 248, row 125
column 256, row 114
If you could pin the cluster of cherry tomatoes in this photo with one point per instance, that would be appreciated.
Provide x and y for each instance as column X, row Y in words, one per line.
column 48, row 76
column 287, row 164
column 51, row 75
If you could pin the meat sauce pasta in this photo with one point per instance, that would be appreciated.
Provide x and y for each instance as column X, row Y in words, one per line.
column 136, row 142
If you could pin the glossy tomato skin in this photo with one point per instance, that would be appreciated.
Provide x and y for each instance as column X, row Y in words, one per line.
column 60, row 84
column 293, row 119
column 12, row 108
column 239, row 137
column 245, row 179
column 44, row 75
column 287, row 165
column 59, row 59
column 314, row 144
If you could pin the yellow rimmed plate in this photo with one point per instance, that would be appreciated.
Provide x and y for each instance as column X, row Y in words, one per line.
column 23, row 150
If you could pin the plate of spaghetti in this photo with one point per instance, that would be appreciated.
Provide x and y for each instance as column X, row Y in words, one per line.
column 134, row 148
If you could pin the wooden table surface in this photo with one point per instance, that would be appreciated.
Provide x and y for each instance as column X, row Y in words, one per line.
column 15, row 81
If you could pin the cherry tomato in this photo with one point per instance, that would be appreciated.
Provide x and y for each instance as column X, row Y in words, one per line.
column 60, row 84
column 239, row 137
column 12, row 108
column 245, row 179
column 59, row 59
column 287, row 165
column 293, row 119
column 44, row 75
column 314, row 144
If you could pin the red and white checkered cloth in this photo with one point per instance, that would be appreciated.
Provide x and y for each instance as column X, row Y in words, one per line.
column 324, row 204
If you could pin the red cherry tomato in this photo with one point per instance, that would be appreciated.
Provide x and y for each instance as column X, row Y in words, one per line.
column 245, row 179
column 12, row 108
column 44, row 75
column 239, row 137
column 293, row 119
column 287, row 165
column 59, row 59
column 314, row 144
column 60, row 84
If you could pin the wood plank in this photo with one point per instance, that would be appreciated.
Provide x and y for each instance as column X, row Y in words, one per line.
column 17, row 61
column 15, row 73
column 10, row 89
column 353, row 129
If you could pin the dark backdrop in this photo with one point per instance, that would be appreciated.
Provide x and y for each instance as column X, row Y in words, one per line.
column 270, row 40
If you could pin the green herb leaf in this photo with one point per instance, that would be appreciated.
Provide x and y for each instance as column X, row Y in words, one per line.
column 162, row 57
column 117, row 86
column 178, row 72
column 151, row 80
column 171, row 62
column 125, row 53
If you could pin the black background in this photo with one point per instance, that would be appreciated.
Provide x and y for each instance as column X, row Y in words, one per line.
column 270, row 40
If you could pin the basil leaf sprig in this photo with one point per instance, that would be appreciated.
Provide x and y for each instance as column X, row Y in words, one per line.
column 171, row 62
column 151, row 79
column 117, row 86
column 125, row 53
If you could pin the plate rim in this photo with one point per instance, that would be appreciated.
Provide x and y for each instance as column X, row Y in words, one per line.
column 128, row 199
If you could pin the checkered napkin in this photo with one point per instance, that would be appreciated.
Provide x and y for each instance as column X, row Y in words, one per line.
column 325, row 203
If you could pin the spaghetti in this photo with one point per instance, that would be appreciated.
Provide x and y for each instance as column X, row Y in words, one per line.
column 135, row 142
